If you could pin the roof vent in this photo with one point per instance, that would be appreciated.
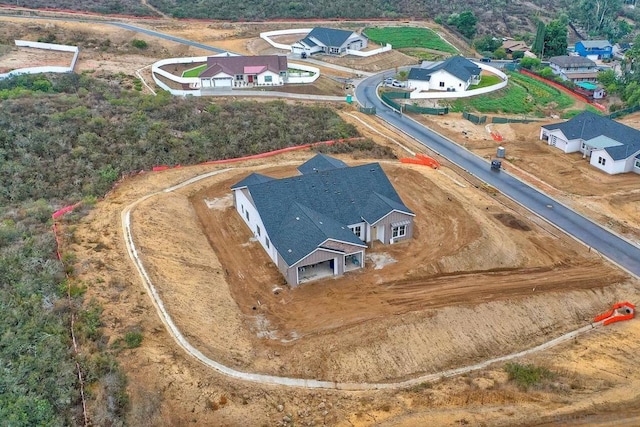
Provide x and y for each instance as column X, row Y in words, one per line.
column 297, row 218
column 320, row 222
column 289, row 250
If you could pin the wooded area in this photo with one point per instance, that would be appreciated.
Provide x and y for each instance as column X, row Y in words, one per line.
column 67, row 138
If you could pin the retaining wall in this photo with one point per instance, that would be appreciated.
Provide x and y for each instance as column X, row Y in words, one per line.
column 384, row 48
column 266, row 36
column 466, row 93
column 45, row 69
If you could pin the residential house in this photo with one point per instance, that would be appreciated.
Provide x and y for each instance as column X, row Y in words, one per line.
column 590, row 90
column 330, row 41
column 242, row 71
column 610, row 146
column 594, row 49
column 511, row 46
column 454, row 74
column 574, row 68
column 318, row 224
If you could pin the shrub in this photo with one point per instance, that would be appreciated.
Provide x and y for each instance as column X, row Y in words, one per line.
column 526, row 376
column 133, row 339
column 139, row 44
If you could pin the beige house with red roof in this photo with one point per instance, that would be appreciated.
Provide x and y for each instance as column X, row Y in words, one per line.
column 244, row 71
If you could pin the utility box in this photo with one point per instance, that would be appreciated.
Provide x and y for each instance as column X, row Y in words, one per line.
column 501, row 152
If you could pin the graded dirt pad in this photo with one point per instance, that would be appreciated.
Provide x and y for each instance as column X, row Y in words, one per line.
column 611, row 200
column 168, row 388
column 462, row 255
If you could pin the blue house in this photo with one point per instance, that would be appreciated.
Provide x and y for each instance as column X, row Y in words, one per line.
column 595, row 49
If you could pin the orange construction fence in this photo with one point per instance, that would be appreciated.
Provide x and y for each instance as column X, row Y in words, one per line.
column 421, row 159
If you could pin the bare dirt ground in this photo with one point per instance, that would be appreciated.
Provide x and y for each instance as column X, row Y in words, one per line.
column 611, row 200
column 422, row 321
column 481, row 277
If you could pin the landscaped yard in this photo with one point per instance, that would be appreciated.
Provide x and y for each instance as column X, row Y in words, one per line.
column 522, row 95
column 408, row 37
column 194, row 72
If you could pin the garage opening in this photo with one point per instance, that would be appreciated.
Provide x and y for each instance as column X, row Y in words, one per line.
column 316, row 271
column 353, row 261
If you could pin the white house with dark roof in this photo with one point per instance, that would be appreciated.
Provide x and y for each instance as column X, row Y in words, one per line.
column 242, row 71
column 330, row 41
column 574, row 68
column 319, row 223
column 610, row 146
column 454, row 74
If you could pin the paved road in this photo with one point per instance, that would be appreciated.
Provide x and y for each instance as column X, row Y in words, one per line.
column 617, row 249
column 166, row 37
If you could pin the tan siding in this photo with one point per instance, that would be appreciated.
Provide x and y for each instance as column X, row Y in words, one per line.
column 392, row 218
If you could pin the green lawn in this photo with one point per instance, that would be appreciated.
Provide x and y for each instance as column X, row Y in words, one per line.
column 487, row 81
column 194, row 72
column 521, row 96
column 403, row 37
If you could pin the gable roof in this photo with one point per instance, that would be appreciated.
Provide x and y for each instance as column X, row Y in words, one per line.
column 515, row 45
column 320, row 162
column 589, row 126
column 566, row 61
column 330, row 36
column 254, row 178
column 416, row 73
column 233, row 65
column 595, row 44
column 299, row 213
column 457, row 66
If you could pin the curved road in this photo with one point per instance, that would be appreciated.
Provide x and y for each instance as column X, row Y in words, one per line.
column 615, row 248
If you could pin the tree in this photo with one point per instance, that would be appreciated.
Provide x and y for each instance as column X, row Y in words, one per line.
column 500, row 53
column 608, row 80
column 518, row 54
column 487, row 43
column 596, row 16
column 538, row 44
column 465, row 22
column 555, row 39
column 530, row 63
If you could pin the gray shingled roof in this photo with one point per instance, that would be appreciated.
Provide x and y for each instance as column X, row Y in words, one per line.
column 254, row 178
column 588, row 125
column 567, row 61
column 625, row 151
column 301, row 212
column 419, row 74
column 598, row 44
column 308, row 42
column 457, row 66
column 330, row 37
column 233, row 65
column 320, row 162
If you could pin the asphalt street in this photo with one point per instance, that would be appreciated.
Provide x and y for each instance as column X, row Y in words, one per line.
column 596, row 237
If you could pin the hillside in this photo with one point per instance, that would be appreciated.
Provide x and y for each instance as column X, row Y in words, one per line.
column 504, row 17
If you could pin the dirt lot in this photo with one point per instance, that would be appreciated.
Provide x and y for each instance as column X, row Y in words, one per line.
column 611, row 200
column 481, row 278
column 427, row 311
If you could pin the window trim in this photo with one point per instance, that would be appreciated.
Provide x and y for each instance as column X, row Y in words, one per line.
column 399, row 231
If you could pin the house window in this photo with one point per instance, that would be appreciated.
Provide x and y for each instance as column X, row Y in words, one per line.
column 638, row 163
column 266, row 241
column 584, row 146
column 258, row 229
column 242, row 208
column 357, row 230
column 239, row 77
column 268, row 79
column 601, row 160
column 441, row 84
column 247, row 215
column 399, row 231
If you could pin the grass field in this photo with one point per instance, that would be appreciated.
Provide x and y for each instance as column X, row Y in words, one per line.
column 403, row 37
column 522, row 95
column 487, row 81
column 194, row 72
